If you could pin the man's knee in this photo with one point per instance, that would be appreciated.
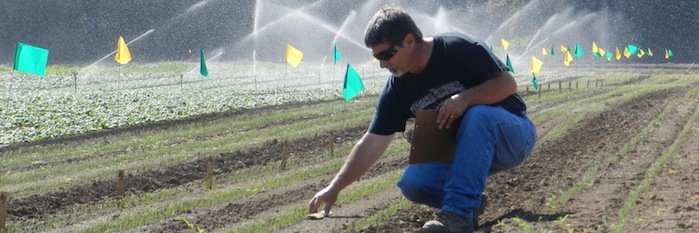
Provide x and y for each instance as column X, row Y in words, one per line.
column 421, row 194
column 424, row 183
column 412, row 187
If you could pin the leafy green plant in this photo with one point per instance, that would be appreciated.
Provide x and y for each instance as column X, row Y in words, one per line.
column 520, row 222
column 550, row 202
column 191, row 225
column 561, row 220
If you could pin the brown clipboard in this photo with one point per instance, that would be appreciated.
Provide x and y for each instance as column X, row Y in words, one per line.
column 430, row 144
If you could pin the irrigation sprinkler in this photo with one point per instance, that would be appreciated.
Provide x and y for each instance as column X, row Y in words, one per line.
column 75, row 82
column 181, row 82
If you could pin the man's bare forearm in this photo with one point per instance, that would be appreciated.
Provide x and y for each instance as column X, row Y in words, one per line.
column 364, row 154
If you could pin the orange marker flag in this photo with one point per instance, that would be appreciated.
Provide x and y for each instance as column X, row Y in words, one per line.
column 123, row 55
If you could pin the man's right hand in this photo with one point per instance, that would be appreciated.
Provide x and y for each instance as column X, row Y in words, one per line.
column 328, row 195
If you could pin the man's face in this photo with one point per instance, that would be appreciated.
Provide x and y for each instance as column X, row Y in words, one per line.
column 389, row 56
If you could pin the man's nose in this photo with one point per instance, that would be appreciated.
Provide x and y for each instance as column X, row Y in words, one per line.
column 383, row 63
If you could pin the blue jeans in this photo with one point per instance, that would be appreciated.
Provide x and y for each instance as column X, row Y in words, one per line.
column 490, row 139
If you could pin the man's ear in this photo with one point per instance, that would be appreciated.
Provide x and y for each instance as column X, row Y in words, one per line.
column 408, row 40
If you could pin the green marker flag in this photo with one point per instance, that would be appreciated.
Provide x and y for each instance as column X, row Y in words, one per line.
column 552, row 51
column 202, row 66
column 632, row 48
column 31, row 59
column 353, row 84
column 509, row 64
column 337, row 54
column 534, row 82
column 578, row 51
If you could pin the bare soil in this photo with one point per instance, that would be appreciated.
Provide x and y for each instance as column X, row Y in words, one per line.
column 518, row 197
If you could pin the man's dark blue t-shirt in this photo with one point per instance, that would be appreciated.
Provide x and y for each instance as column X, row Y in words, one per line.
column 457, row 63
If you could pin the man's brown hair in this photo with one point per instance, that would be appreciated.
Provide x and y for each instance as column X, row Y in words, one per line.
column 390, row 25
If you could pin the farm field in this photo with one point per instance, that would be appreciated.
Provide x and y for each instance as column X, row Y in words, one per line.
column 618, row 155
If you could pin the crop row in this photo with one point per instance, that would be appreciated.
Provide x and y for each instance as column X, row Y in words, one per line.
column 150, row 150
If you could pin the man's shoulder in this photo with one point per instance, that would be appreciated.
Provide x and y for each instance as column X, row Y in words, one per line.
column 455, row 37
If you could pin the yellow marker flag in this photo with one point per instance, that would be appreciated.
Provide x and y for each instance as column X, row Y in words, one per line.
column 544, row 52
column 627, row 54
column 618, row 54
column 293, row 56
column 123, row 55
column 568, row 58
column 650, row 53
column 536, row 65
column 595, row 49
column 564, row 49
column 640, row 53
column 601, row 52
column 504, row 43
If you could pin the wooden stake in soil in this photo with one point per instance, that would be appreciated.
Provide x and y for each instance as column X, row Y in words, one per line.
column 285, row 154
column 120, row 184
column 210, row 172
column 4, row 199
column 560, row 86
column 331, row 143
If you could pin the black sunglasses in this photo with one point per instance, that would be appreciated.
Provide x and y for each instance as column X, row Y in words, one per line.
column 386, row 54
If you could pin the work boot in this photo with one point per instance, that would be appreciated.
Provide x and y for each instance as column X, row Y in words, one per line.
column 448, row 222
column 478, row 211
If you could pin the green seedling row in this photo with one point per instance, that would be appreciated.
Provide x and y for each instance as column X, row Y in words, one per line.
column 36, row 181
